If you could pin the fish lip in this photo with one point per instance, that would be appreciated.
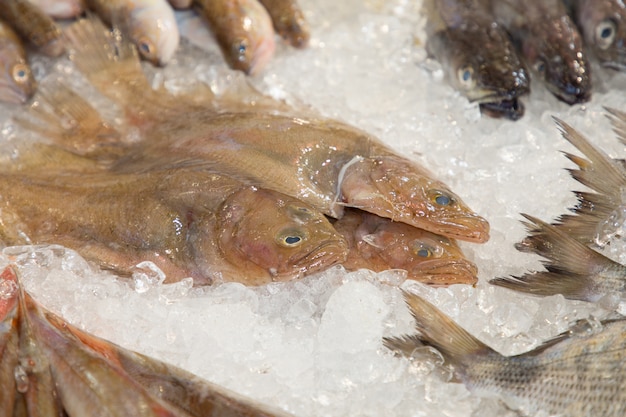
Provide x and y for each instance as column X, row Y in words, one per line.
column 473, row 229
column 317, row 259
column 445, row 272
column 511, row 109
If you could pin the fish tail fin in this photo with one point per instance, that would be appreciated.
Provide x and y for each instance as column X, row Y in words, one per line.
column 70, row 121
column 108, row 59
column 618, row 120
column 571, row 266
column 439, row 331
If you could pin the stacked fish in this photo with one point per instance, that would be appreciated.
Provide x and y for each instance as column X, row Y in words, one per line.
column 579, row 373
column 233, row 187
column 486, row 47
column 244, row 29
column 51, row 368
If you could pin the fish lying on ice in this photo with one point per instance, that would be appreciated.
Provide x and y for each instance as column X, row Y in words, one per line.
column 380, row 244
column 325, row 163
column 549, row 41
column 150, row 24
column 577, row 374
column 244, row 31
column 17, row 83
column 189, row 223
column 32, row 24
column 573, row 269
column 50, row 368
column 477, row 56
column 603, row 25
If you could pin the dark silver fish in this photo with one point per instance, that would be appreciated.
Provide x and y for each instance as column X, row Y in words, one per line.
column 477, row 55
column 550, row 43
column 581, row 373
column 603, row 25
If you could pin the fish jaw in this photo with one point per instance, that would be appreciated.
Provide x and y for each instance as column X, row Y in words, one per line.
column 504, row 109
column 279, row 237
column 395, row 188
column 153, row 29
column 444, row 272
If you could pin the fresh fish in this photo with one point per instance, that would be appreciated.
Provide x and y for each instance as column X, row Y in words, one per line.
column 379, row 244
column 60, row 9
column 9, row 339
column 288, row 21
column 577, row 374
column 603, row 25
column 150, row 24
column 550, row 43
column 325, row 163
column 477, row 56
column 17, row 83
column 31, row 23
column 243, row 29
column 573, row 269
column 189, row 223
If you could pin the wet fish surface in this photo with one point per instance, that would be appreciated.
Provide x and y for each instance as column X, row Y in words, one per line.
column 603, row 25
column 32, row 24
column 288, row 21
column 550, row 43
column 381, row 244
column 477, row 55
column 577, row 374
column 17, row 83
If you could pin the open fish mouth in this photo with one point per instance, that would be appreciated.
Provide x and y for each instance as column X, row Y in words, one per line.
column 445, row 272
column 511, row 109
column 470, row 229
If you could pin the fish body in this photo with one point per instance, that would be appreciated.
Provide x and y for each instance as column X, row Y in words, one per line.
column 550, row 43
column 244, row 31
column 379, row 244
column 17, row 83
column 577, row 374
column 196, row 224
column 288, row 21
column 9, row 339
column 31, row 23
column 150, row 24
column 477, row 55
column 603, row 25
column 61, row 9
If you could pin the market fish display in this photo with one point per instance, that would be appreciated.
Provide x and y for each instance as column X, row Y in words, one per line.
column 326, row 164
column 477, row 56
column 32, row 24
column 50, row 368
column 150, row 24
column 577, row 374
column 188, row 223
column 380, row 244
column 550, row 43
column 603, row 25
column 17, row 83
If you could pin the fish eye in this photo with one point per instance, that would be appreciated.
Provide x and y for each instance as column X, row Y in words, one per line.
column 20, row 73
column 146, row 48
column 466, row 77
column 540, row 66
column 240, row 50
column 441, row 199
column 291, row 238
column 425, row 250
column 605, row 33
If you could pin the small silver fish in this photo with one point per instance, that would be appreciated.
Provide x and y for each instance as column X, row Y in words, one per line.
column 550, row 43
column 603, row 25
column 581, row 373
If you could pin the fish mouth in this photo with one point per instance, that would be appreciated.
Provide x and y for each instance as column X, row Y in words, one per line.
column 569, row 93
column 317, row 259
column 473, row 229
column 511, row 109
column 15, row 95
column 443, row 272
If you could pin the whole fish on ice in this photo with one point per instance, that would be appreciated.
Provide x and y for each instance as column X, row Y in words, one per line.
column 580, row 373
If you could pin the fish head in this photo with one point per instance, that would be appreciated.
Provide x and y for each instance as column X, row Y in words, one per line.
column 278, row 234
column 17, row 83
column 393, row 187
column 154, row 31
column 481, row 62
column 427, row 257
column 603, row 25
column 556, row 54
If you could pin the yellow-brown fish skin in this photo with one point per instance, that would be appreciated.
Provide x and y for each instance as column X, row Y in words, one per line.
column 189, row 223
column 17, row 83
column 61, row 9
column 244, row 31
column 380, row 244
column 9, row 337
column 289, row 21
column 577, row 374
column 32, row 24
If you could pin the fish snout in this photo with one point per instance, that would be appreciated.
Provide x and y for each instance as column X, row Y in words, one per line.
column 445, row 272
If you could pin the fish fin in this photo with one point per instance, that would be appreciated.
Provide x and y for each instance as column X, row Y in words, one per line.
column 618, row 120
column 70, row 121
column 404, row 345
column 591, row 212
column 600, row 173
column 439, row 331
column 571, row 266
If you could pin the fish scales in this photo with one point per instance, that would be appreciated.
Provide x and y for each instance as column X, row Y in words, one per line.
column 577, row 374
